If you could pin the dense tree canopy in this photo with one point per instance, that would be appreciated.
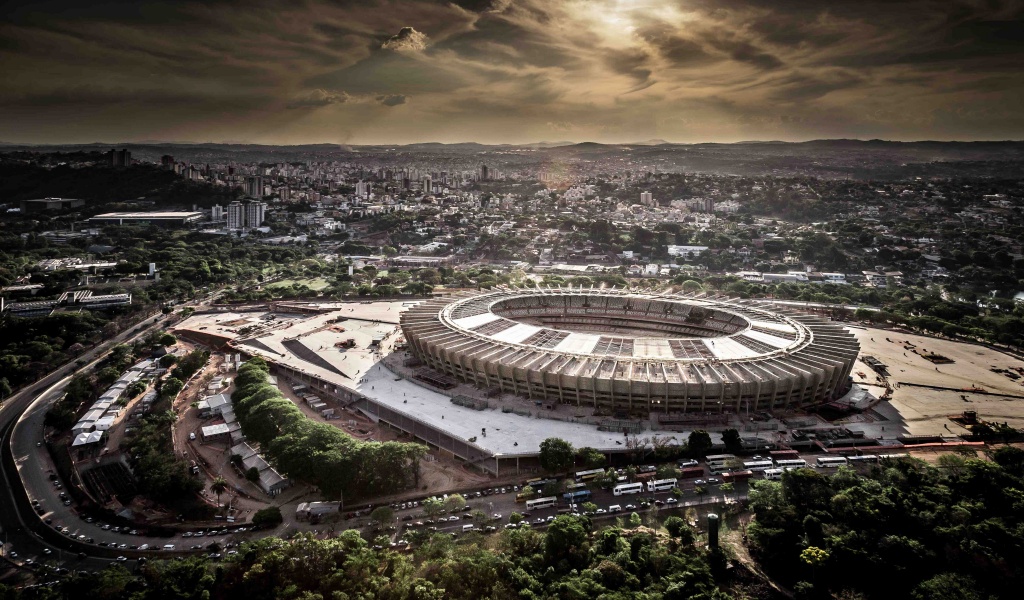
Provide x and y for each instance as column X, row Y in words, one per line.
column 314, row 452
column 917, row 529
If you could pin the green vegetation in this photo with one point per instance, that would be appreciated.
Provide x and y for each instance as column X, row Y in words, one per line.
column 572, row 560
column 268, row 517
column 159, row 474
column 318, row 453
column 556, row 455
column 952, row 531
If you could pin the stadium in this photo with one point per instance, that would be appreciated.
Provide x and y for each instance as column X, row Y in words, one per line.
column 627, row 353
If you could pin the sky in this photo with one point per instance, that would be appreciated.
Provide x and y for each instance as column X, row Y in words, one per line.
column 510, row 71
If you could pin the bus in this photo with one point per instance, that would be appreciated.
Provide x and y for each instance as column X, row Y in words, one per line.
column 628, row 488
column 882, row 457
column 734, row 476
column 758, row 465
column 773, row 474
column 661, row 485
column 714, row 459
column 793, row 462
column 577, row 497
column 719, row 468
column 691, row 472
column 538, row 485
column 831, row 462
column 541, row 503
column 588, row 475
column 864, row 458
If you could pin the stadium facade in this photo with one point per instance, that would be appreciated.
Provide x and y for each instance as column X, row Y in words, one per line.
column 627, row 352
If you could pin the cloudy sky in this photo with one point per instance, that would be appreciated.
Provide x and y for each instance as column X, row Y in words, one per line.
column 510, row 71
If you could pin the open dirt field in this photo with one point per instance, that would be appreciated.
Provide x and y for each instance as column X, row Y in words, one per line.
column 924, row 410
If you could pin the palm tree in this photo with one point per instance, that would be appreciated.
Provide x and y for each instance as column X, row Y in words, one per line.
column 219, row 486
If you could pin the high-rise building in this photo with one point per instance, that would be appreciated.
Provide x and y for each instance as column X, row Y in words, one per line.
column 255, row 213
column 254, row 186
column 167, row 162
column 484, row 174
column 236, row 215
column 120, row 158
column 285, row 194
column 363, row 189
column 246, row 215
column 646, row 198
column 217, row 213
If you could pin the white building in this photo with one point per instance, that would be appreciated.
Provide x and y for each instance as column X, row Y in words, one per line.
column 686, row 250
column 246, row 215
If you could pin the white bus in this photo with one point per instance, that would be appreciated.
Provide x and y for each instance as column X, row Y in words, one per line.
column 661, row 485
column 541, row 503
column 831, row 462
column 758, row 465
column 865, row 458
column 717, row 459
column 792, row 462
column 628, row 488
column 893, row 456
column 773, row 474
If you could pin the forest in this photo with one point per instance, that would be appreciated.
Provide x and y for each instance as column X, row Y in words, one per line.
column 954, row 530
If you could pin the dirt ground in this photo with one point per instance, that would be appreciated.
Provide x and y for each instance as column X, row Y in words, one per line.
column 212, row 457
column 925, row 410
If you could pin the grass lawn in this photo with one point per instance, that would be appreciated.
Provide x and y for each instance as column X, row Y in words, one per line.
column 316, row 284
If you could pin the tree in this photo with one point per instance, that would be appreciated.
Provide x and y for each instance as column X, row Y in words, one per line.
column 676, row 526
column 566, row 540
column 727, row 488
column 382, row 516
column 454, row 503
column 699, row 442
column 556, row 455
column 167, row 360
column 635, row 520
column 948, row 586
column 527, row 491
column 589, row 508
column 515, row 518
column 219, row 486
column 590, row 457
column 253, row 474
column 171, row 387
column 167, row 339
column 731, row 439
column 432, row 507
column 5, row 388
column 268, row 517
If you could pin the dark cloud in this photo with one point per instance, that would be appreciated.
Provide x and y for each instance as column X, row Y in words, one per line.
column 407, row 38
column 711, row 69
column 317, row 98
column 391, row 99
column 632, row 62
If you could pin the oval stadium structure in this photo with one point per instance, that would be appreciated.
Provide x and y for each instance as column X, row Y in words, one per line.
column 623, row 351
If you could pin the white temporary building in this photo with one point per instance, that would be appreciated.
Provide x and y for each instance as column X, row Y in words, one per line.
column 104, row 424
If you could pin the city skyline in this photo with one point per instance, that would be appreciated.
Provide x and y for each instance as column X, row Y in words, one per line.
column 510, row 71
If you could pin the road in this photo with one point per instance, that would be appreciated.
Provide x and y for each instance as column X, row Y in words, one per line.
column 21, row 530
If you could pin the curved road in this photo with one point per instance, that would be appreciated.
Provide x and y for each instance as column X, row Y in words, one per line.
column 24, row 466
